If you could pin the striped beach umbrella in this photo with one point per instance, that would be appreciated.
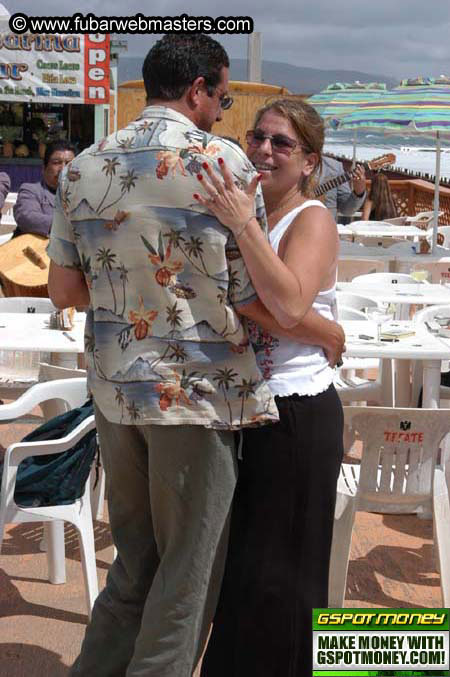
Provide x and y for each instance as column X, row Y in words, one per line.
column 341, row 98
column 419, row 106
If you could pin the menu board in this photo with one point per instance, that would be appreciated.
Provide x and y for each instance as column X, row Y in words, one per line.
column 43, row 68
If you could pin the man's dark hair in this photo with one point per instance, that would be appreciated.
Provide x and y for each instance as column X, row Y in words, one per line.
column 175, row 61
column 55, row 146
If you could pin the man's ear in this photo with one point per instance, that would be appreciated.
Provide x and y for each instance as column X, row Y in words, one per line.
column 196, row 90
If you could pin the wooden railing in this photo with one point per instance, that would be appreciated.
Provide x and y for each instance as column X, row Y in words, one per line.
column 415, row 195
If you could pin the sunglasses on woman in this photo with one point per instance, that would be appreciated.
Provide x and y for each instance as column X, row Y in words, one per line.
column 280, row 142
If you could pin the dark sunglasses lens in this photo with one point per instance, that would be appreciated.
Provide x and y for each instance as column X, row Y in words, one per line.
column 283, row 142
column 257, row 136
column 226, row 102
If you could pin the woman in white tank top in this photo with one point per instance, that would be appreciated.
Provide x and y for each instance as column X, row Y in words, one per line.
column 278, row 558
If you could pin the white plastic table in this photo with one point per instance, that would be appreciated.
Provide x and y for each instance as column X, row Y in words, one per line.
column 423, row 346
column 343, row 230
column 377, row 229
column 30, row 332
column 401, row 294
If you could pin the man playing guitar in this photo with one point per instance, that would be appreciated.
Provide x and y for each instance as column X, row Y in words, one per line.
column 345, row 198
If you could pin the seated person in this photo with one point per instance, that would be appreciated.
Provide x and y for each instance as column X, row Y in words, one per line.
column 345, row 199
column 5, row 187
column 380, row 204
column 33, row 210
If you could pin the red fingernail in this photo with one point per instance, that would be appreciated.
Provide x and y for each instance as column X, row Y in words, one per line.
column 199, row 177
column 205, row 165
column 220, row 161
column 196, row 196
column 260, row 177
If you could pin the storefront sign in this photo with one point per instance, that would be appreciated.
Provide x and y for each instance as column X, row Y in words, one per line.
column 54, row 68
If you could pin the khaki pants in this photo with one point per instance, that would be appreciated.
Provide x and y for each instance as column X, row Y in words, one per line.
column 169, row 492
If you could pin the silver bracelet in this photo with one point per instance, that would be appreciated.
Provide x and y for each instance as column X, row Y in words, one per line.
column 238, row 235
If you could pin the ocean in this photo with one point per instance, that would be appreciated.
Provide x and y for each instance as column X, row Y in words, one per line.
column 416, row 153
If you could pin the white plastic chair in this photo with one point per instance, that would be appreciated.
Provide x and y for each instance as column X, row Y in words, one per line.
column 402, row 312
column 346, row 313
column 355, row 301
column 397, row 475
column 7, row 218
column 5, row 238
column 73, row 393
column 397, row 220
column 445, row 231
column 50, row 372
column 352, row 388
column 428, row 313
column 422, row 219
column 14, row 381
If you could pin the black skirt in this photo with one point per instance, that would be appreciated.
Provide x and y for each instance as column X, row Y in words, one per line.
column 280, row 541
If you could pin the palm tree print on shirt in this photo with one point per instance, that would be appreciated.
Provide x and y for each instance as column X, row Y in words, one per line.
column 109, row 168
column 246, row 388
column 224, row 378
column 120, row 399
column 133, row 411
column 193, row 249
column 173, row 317
column 107, row 258
column 127, row 182
column 124, row 279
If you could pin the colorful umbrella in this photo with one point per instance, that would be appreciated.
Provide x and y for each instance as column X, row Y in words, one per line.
column 419, row 106
column 342, row 98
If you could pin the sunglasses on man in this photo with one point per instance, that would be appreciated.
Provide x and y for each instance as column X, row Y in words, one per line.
column 225, row 100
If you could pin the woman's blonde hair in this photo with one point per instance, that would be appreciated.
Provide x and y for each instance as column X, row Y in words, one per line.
column 309, row 128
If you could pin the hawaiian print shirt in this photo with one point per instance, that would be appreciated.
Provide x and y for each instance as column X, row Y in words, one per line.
column 164, row 343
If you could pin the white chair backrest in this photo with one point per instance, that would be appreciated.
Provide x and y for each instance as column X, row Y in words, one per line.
column 7, row 215
column 422, row 218
column 345, row 313
column 385, row 278
column 73, row 392
column 11, row 198
column 349, row 269
column 354, row 301
column 430, row 312
column 400, row 448
column 397, row 221
column 5, row 238
column 26, row 304
column 445, row 231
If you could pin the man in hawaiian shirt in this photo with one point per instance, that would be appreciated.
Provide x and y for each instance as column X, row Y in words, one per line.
column 169, row 361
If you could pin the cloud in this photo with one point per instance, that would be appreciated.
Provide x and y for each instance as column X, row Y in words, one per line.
column 399, row 39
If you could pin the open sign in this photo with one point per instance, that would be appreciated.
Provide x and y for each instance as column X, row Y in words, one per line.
column 96, row 68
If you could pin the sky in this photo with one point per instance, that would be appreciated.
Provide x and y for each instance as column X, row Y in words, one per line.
column 398, row 38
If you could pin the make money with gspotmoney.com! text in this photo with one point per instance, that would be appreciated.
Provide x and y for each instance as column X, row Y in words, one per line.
column 137, row 23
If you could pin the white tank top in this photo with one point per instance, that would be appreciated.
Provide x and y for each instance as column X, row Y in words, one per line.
column 292, row 367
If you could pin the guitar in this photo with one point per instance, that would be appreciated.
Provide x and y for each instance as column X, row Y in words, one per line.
column 376, row 163
column 24, row 266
